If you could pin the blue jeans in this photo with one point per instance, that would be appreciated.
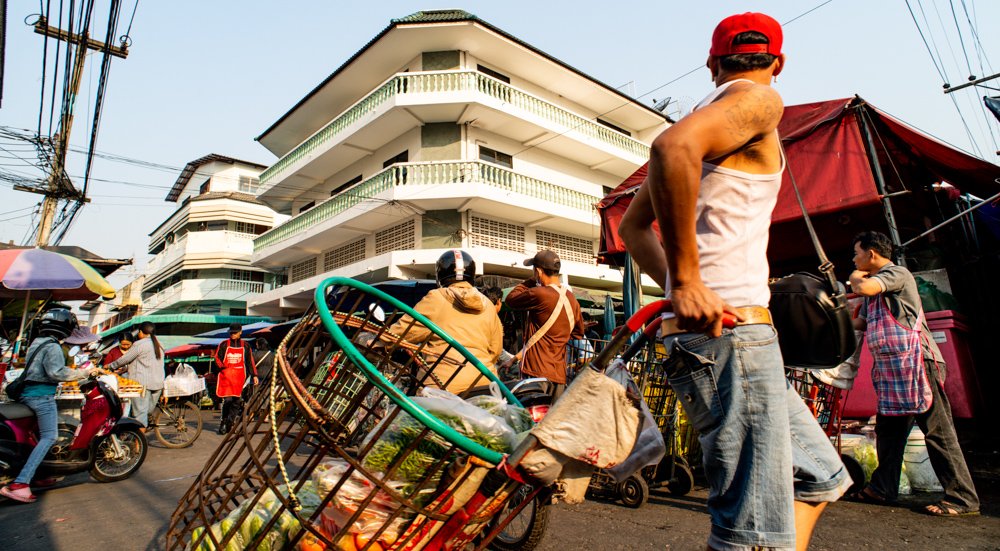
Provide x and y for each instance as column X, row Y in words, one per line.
column 761, row 447
column 144, row 405
column 48, row 429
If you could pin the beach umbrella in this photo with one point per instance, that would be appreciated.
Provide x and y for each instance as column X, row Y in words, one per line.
column 37, row 273
column 608, row 321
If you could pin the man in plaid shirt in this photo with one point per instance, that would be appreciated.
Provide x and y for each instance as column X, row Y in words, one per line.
column 908, row 375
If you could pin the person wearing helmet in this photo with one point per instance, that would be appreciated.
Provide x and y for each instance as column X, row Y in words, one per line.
column 462, row 312
column 46, row 368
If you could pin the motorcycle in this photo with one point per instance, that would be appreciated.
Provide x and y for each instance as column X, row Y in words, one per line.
column 110, row 447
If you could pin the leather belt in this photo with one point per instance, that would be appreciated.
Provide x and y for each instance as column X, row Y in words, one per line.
column 752, row 315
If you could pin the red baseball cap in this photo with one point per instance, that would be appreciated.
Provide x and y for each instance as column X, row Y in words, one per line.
column 726, row 31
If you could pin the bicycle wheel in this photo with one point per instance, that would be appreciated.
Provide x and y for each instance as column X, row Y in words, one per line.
column 177, row 424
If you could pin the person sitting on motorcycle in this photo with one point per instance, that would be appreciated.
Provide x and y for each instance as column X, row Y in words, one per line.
column 462, row 312
column 46, row 368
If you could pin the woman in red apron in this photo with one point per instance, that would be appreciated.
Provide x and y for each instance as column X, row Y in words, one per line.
column 235, row 362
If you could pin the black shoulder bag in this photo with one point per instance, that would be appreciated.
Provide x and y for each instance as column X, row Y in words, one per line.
column 811, row 313
column 16, row 387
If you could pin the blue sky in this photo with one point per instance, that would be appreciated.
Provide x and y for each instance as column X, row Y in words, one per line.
column 207, row 77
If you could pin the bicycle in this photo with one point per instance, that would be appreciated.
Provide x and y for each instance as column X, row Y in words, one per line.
column 177, row 422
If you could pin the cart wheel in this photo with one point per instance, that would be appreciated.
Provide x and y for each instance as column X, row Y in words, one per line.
column 682, row 481
column 857, row 473
column 634, row 491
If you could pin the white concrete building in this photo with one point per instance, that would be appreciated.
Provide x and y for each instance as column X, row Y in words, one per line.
column 444, row 131
column 200, row 259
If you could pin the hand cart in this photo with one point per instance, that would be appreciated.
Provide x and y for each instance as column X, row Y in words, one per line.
column 826, row 404
column 307, row 466
column 674, row 471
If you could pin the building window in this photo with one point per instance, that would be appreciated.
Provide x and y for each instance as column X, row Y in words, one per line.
column 613, row 127
column 302, row 270
column 307, row 206
column 567, row 247
column 494, row 234
column 249, row 184
column 344, row 255
column 495, row 157
column 205, row 186
column 401, row 158
column 487, row 71
column 400, row 237
column 245, row 227
column 242, row 275
column 345, row 185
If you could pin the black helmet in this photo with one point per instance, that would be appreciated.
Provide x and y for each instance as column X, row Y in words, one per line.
column 455, row 265
column 58, row 323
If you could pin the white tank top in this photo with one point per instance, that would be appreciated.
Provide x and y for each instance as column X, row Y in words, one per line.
column 733, row 217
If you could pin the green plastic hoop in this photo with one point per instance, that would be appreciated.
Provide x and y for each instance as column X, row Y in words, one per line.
column 397, row 396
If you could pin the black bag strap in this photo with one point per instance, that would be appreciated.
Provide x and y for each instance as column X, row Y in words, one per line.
column 32, row 354
column 825, row 266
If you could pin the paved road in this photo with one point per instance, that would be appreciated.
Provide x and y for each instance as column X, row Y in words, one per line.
column 83, row 515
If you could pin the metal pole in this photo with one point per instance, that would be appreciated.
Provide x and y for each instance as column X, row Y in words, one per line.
column 20, row 332
column 890, row 217
column 950, row 89
column 952, row 219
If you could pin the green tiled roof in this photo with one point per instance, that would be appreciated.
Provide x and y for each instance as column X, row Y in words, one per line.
column 436, row 16
column 183, row 318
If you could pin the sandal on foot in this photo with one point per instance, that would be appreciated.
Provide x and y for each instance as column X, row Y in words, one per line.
column 867, row 495
column 946, row 509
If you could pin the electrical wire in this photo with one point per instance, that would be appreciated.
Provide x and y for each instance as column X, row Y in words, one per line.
column 961, row 39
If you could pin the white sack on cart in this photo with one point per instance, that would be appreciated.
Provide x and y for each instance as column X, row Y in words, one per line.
column 649, row 448
column 593, row 422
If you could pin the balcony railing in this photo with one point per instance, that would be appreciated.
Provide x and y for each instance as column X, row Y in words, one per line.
column 414, row 174
column 450, row 82
column 189, row 290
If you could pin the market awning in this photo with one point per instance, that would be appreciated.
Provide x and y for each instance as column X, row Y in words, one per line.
column 184, row 318
column 827, row 153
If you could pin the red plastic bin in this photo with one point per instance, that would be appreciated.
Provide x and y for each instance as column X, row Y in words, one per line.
column 950, row 332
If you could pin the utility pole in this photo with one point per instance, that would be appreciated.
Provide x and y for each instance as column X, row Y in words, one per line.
column 59, row 185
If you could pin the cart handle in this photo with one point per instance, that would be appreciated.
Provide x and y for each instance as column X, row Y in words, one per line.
column 397, row 396
column 643, row 320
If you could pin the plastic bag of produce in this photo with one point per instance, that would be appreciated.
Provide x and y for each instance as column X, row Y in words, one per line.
column 354, row 489
column 478, row 424
column 517, row 418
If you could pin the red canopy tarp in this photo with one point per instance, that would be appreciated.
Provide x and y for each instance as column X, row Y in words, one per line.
column 827, row 154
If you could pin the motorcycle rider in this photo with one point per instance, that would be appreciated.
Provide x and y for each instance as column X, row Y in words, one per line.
column 461, row 311
column 46, row 368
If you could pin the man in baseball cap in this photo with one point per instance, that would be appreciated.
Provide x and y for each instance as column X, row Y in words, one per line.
column 553, row 319
column 714, row 179
column 545, row 259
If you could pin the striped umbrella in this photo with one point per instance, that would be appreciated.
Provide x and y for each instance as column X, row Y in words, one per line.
column 37, row 273
column 45, row 274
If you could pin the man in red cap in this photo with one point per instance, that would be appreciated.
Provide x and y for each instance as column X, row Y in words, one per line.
column 713, row 182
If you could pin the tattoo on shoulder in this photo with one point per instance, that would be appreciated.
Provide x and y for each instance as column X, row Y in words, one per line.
column 755, row 110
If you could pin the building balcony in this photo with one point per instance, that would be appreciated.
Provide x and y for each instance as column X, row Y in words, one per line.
column 454, row 96
column 205, row 244
column 196, row 290
column 473, row 185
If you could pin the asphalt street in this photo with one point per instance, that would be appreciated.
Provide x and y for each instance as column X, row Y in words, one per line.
column 83, row 515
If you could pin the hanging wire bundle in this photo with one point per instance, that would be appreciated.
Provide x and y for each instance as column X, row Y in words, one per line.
column 337, row 454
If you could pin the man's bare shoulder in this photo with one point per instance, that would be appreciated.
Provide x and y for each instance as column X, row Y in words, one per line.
column 750, row 109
